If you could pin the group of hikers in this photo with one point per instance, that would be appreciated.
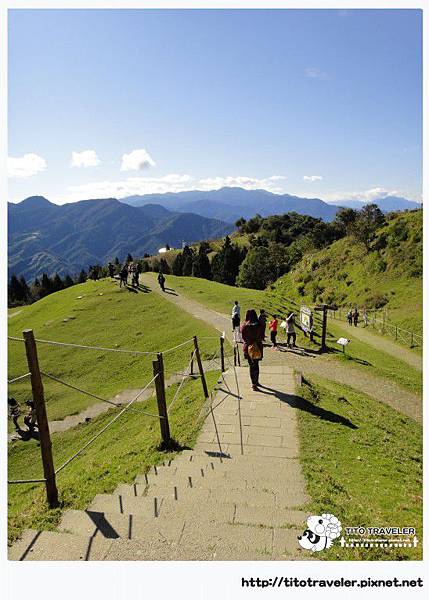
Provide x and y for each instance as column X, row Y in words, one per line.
column 353, row 316
column 253, row 334
column 131, row 271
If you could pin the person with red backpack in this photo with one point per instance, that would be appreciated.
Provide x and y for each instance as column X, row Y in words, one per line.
column 252, row 332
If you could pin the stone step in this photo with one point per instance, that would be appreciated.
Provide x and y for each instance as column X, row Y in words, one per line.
column 51, row 545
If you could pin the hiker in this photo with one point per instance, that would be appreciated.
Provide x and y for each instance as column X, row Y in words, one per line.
column 31, row 419
column 14, row 412
column 365, row 316
column 263, row 320
column 123, row 276
column 111, row 269
column 253, row 348
column 161, row 280
column 272, row 325
column 355, row 317
column 235, row 315
column 290, row 331
column 350, row 317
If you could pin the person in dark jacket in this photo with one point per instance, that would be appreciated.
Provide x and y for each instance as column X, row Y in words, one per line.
column 252, row 332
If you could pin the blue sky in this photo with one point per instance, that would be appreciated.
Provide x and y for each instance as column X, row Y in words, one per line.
column 324, row 103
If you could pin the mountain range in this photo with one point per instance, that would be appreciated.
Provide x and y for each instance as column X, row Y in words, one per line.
column 231, row 203
column 50, row 238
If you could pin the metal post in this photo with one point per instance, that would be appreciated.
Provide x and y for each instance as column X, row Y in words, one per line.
column 200, row 367
column 42, row 418
column 412, row 339
column 222, row 353
column 324, row 327
column 396, row 332
column 191, row 372
column 158, row 370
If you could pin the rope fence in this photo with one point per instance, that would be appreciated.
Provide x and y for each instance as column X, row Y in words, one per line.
column 37, row 375
column 115, row 418
column 15, row 379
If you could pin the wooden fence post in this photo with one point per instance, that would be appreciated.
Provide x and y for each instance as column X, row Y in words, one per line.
column 222, row 353
column 412, row 340
column 42, row 418
column 200, row 367
column 324, row 327
column 158, row 370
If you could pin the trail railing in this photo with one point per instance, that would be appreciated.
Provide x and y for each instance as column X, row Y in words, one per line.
column 383, row 326
column 158, row 380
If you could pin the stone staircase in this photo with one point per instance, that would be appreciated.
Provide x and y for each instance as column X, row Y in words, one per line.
column 241, row 500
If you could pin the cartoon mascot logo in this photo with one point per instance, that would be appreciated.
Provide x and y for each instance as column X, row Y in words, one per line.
column 320, row 533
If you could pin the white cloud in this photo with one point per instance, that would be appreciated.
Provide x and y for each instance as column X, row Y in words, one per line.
column 86, row 158
column 168, row 183
column 25, row 166
column 365, row 196
column 137, row 160
column 312, row 178
column 315, row 73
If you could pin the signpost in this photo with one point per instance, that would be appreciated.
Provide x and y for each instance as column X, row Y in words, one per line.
column 323, row 308
column 343, row 342
column 306, row 319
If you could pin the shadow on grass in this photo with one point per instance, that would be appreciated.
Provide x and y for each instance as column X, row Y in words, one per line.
column 170, row 291
column 359, row 361
column 305, row 405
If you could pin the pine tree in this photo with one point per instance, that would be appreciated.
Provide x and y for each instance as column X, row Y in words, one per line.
column 201, row 265
column 226, row 263
column 57, row 283
column 129, row 258
column 177, row 267
column 82, row 277
column 45, row 286
column 15, row 290
column 188, row 260
column 163, row 266
column 25, row 290
column 68, row 281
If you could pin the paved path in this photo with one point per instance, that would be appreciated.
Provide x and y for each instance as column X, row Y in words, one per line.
column 238, row 495
column 379, row 388
column 364, row 334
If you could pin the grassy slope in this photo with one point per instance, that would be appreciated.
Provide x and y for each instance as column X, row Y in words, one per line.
column 126, row 449
column 220, row 298
column 345, row 273
column 118, row 318
column 367, row 476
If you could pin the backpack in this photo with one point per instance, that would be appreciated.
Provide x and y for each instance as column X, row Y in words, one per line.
column 254, row 351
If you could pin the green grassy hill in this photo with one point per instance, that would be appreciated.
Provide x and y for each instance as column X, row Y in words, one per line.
column 344, row 273
column 101, row 314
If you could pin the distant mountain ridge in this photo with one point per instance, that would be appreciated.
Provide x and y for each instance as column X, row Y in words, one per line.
column 231, row 203
column 49, row 238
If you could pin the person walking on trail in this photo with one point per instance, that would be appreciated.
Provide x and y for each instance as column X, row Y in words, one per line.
column 161, row 280
column 355, row 317
column 14, row 412
column 263, row 320
column 273, row 325
column 365, row 316
column 290, row 331
column 235, row 315
column 253, row 348
column 350, row 317
column 123, row 276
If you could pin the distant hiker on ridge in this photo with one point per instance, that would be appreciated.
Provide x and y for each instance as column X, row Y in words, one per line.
column 111, row 270
column 350, row 317
column 235, row 315
column 161, row 281
column 123, row 276
column 253, row 348
column 355, row 317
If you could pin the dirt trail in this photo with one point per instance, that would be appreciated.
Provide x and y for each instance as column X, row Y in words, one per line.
column 382, row 343
column 378, row 388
